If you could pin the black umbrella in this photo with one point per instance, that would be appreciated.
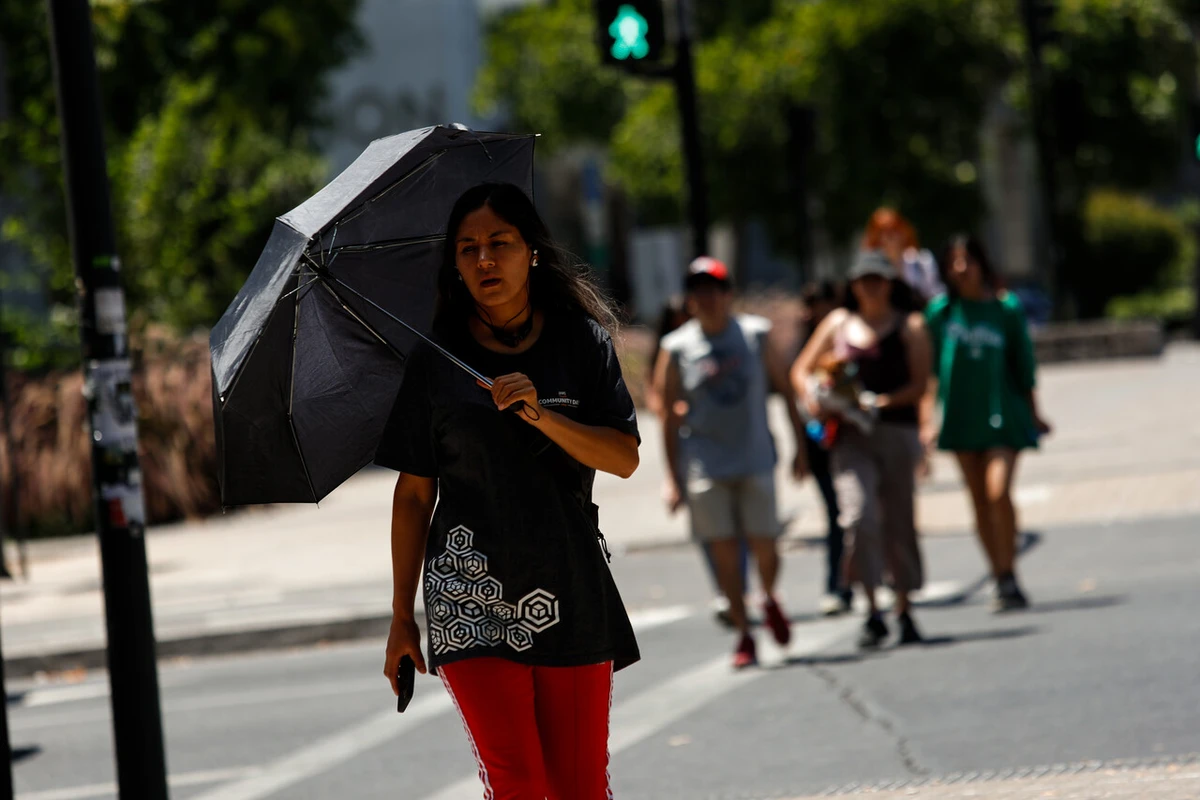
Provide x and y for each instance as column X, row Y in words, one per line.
column 308, row 358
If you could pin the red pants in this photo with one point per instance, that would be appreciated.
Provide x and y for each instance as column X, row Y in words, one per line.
column 536, row 732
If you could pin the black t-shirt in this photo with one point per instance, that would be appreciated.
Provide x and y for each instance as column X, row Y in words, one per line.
column 513, row 564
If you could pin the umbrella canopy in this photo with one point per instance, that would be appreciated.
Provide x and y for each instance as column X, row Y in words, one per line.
column 305, row 363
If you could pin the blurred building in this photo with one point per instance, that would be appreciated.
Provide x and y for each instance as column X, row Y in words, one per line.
column 417, row 67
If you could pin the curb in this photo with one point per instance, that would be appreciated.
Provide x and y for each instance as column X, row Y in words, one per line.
column 213, row 644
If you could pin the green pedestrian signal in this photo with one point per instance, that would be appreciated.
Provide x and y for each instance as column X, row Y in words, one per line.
column 628, row 32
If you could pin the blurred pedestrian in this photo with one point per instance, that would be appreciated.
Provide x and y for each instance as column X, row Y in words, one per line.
column 526, row 626
column 722, row 365
column 889, row 232
column 674, row 314
column 819, row 300
column 984, row 373
column 880, row 349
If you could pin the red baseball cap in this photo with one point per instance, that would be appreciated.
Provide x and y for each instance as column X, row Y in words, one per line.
column 707, row 268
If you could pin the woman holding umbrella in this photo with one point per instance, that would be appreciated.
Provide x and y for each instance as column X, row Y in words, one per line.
column 526, row 626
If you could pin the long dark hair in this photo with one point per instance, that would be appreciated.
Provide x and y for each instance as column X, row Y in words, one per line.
column 975, row 252
column 901, row 298
column 668, row 322
column 560, row 282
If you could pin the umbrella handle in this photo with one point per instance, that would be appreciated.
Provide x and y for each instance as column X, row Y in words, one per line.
column 515, row 407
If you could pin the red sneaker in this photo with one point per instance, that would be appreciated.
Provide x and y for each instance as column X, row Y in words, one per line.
column 746, row 655
column 777, row 621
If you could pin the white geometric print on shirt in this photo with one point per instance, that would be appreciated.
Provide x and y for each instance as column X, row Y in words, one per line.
column 466, row 605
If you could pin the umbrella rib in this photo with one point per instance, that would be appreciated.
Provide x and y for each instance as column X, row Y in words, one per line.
column 385, row 245
column 458, row 362
column 387, row 189
column 292, row 398
column 250, row 354
column 362, row 321
column 315, row 277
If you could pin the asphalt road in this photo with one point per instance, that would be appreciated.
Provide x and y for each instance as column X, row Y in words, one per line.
column 1101, row 669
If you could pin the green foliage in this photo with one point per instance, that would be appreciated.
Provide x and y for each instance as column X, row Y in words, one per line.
column 900, row 89
column 544, row 73
column 1118, row 80
column 195, row 196
column 1132, row 247
column 895, row 123
column 209, row 110
column 1172, row 306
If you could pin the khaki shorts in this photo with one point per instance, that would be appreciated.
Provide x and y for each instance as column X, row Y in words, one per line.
column 724, row 508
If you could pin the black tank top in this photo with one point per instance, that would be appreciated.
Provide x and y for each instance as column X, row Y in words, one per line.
column 883, row 369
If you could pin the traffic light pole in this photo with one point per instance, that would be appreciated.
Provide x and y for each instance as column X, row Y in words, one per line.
column 116, row 475
column 685, row 92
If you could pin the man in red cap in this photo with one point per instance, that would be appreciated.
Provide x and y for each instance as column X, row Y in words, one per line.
column 722, row 367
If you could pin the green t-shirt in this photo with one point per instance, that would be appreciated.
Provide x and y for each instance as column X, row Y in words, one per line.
column 983, row 360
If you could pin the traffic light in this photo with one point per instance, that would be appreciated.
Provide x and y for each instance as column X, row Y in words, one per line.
column 630, row 32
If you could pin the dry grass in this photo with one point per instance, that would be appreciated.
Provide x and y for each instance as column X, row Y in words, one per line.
column 172, row 389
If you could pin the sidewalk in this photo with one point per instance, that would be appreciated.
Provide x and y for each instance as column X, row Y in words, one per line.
column 1126, row 446
column 1072, row 782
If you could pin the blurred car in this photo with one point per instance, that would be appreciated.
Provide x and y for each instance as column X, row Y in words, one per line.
column 1038, row 308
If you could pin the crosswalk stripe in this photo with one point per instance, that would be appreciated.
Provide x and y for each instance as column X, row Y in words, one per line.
column 372, row 732
column 331, row 751
column 648, row 712
column 177, row 781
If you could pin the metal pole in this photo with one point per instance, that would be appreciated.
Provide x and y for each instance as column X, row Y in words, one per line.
column 6, row 777
column 117, row 480
column 685, row 93
column 1044, row 139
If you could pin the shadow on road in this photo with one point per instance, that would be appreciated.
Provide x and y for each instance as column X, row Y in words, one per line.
column 979, row 636
column 832, row 659
column 22, row 753
column 1085, row 603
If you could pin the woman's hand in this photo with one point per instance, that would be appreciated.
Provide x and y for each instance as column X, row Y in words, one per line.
column 929, row 437
column 1043, row 427
column 800, row 465
column 404, row 639
column 509, row 389
column 812, row 407
column 673, row 496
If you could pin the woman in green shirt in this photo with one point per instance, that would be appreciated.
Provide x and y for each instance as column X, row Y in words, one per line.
column 983, row 377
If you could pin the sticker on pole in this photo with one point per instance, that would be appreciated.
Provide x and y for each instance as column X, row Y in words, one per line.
column 109, row 389
column 110, row 311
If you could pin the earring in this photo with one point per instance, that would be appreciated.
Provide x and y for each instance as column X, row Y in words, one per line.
column 459, row 276
column 534, row 264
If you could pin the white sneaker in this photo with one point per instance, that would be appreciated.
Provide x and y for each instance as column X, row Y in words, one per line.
column 831, row 605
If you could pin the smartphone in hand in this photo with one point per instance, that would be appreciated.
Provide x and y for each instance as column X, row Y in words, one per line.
column 405, row 675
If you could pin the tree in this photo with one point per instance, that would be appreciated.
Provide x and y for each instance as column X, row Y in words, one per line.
column 1117, row 73
column 900, row 89
column 895, row 123
column 209, row 110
